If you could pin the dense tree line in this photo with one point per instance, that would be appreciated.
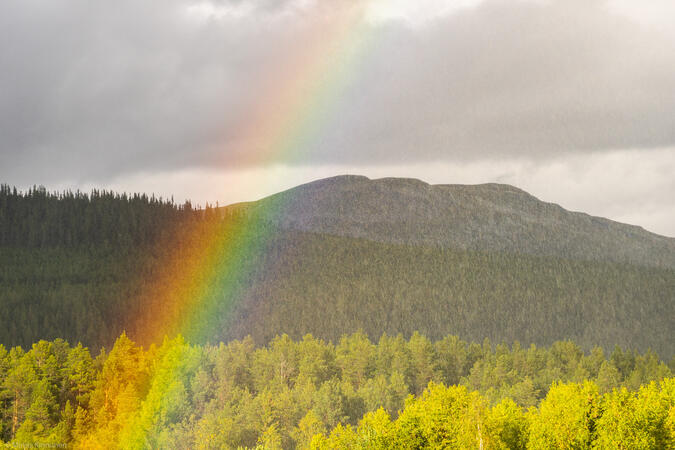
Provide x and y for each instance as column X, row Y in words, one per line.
column 38, row 218
column 87, row 267
column 75, row 265
column 353, row 394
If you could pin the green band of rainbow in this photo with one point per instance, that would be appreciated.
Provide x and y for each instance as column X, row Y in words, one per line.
column 193, row 285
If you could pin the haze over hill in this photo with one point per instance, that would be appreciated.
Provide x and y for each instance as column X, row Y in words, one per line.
column 486, row 217
column 332, row 257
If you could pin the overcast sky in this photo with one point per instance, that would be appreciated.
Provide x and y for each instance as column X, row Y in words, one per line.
column 231, row 100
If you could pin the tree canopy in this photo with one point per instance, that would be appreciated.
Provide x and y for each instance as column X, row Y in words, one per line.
column 393, row 393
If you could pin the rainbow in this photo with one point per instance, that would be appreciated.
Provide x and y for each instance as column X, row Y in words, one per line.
column 287, row 122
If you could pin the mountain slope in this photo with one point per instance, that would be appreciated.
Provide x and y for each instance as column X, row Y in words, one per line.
column 329, row 285
column 488, row 217
column 333, row 257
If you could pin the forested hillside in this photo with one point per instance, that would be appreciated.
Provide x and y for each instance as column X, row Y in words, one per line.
column 388, row 362
column 330, row 286
column 37, row 219
column 85, row 268
column 71, row 264
column 353, row 394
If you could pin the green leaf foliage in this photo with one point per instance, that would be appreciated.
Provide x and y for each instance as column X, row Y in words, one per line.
column 310, row 393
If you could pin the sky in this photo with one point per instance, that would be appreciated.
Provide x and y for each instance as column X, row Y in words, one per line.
column 231, row 100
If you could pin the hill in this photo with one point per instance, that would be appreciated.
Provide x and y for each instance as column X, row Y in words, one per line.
column 487, row 217
column 334, row 257
column 330, row 285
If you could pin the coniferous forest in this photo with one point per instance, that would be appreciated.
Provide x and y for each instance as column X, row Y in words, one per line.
column 333, row 341
column 84, row 267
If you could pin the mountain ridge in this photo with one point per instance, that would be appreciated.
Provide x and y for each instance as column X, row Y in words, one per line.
column 489, row 217
column 328, row 258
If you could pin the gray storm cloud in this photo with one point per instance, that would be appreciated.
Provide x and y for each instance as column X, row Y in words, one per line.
column 93, row 90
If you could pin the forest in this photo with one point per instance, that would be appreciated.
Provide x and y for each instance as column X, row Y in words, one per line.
column 309, row 393
column 315, row 340
column 87, row 267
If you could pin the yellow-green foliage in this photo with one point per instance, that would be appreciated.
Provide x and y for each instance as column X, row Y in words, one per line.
column 314, row 394
column 566, row 418
column 638, row 420
column 572, row 416
column 507, row 426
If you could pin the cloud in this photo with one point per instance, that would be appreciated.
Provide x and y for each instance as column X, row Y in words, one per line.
column 95, row 91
